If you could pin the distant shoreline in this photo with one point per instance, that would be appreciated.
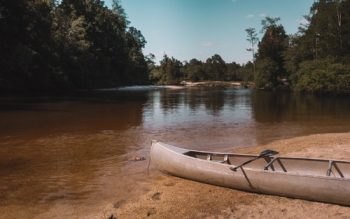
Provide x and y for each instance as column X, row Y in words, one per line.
column 232, row 84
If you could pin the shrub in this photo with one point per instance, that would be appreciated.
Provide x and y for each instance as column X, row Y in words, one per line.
column 323, row 76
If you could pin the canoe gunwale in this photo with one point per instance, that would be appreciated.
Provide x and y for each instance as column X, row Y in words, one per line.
column 251, row 155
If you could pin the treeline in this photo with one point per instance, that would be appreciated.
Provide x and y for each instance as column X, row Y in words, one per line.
column 68, row 44
column 316, row 59
column 172, row 71
column 81, row 44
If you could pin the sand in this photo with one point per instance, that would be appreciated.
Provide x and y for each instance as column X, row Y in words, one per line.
column 171, row 197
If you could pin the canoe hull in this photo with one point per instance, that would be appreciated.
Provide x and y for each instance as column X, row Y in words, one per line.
column 171, row 160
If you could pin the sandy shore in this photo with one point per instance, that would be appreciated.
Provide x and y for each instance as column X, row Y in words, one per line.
column 171, row 197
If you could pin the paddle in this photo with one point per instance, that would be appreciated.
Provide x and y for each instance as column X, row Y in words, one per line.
column 265, row 153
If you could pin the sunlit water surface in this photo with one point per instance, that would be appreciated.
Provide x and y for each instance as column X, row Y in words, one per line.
column 70, row 157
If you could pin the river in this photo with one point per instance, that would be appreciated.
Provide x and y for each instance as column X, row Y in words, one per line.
column 71, row 156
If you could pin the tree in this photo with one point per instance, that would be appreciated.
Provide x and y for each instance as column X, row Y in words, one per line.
column 267, row 69
column 324, row 76
column 215, row 68
column 252, row 39
column 232, row 72
column 244, row 72
column 25, row 33
column 169, row 71
column 324, row 40
column 68, row 44
column 272, row 47
column 194, row 70
column 328, row 29
column 269, row 22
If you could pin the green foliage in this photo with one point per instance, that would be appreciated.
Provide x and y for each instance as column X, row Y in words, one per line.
column 194, row 70
column 271, row 49
column 215, row 68
column 317, row 57
column 169, row 71
column 269, row 22
column 314, row 60
column 266, row 69
column 294, row 55
column 25, row 48
column 72, row 44
column 233, row 73
column 329, row 28
column 172, row 71
column 252, row 39
column 323, row 76
column 245, row 72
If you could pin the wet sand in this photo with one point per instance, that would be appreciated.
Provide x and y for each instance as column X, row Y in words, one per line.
column 171, row 197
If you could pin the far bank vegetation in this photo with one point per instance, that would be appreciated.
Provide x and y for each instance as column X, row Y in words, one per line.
column 316, row 59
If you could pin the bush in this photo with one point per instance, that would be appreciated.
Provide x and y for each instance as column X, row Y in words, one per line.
column 323, row 76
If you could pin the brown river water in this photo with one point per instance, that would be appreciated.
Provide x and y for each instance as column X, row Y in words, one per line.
column 70, row 156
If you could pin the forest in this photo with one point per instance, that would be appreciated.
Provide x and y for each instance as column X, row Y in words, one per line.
column 73, row 44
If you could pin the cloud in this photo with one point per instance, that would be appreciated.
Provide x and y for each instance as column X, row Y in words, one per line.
column 207, row 44
column 263, row 15
column 250, row 16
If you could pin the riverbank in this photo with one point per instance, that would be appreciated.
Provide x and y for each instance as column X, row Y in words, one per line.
column 171, row 197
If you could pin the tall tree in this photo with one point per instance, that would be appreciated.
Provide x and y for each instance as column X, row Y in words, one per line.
column 252, row 39
column 272, row 46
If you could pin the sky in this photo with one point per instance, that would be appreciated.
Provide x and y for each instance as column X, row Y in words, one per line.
column 187, row 29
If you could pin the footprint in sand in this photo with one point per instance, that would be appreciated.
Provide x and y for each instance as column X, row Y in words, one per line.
column 151, row 211
column 156, row 196
column 169, row 184
column 119, row 204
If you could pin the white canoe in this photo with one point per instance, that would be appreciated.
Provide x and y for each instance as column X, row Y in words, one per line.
column 304, row 178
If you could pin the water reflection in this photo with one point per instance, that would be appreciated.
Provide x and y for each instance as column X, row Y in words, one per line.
column 280, row 107
column 241, row 117
column 212, row 100
column 79, row 114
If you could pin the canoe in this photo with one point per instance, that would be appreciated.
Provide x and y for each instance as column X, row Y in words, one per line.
column 320, row 180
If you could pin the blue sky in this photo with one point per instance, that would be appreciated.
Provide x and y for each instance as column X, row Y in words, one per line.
column 199, row 29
